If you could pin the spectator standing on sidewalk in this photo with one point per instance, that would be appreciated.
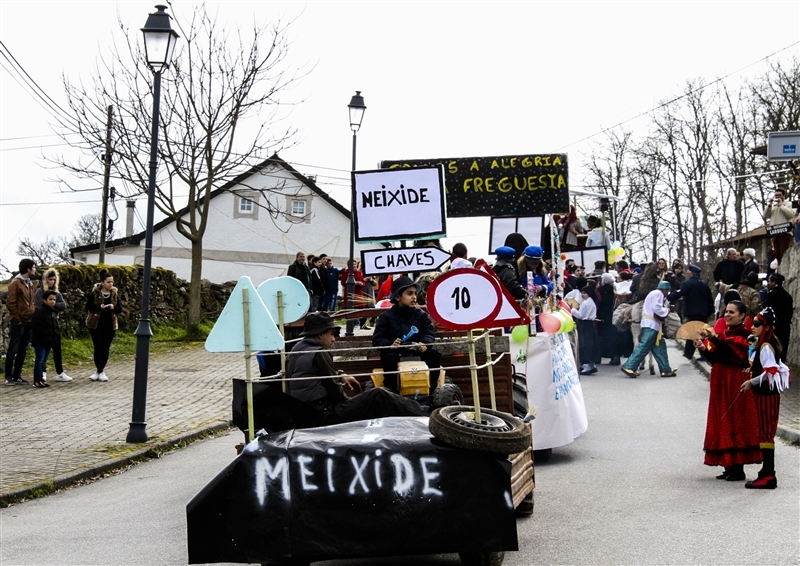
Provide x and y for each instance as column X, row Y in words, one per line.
column 730, row 269
column 103, row 306
column 782, row 304
column 697, row 303
column 50, row 281
column 299, row 270
column 45, row 333
column 750, row 263
column 20, row 304
column 317, row 284
column 460, row 260
column 331, row 296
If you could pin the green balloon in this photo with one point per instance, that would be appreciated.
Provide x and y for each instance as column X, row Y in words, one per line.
column 519, row 333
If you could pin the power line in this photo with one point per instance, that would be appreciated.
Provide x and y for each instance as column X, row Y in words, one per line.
column 677, row 98
column 47, row 203
column 60, row 113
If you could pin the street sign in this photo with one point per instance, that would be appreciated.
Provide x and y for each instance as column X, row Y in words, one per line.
column 783, row 146
column 403, row 204
column 463, row 299
column 402, row 260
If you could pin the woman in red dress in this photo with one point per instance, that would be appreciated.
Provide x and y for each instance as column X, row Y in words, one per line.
column 732, row 438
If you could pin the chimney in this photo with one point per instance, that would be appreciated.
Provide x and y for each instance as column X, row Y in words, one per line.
column 131, row 204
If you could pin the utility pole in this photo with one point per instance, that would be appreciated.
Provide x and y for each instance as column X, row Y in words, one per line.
column 106, row 178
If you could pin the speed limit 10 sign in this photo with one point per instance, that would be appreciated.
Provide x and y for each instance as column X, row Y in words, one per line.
column 463, row 299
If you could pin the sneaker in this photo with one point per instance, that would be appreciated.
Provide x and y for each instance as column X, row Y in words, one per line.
column 40, row 383
column 63, row 377
column 11, row 381
column 629, row 372
column 767, row 482
column 16, row 381
column 102, row 376
column 44, row 376
column 95, row 376
column 670, row 373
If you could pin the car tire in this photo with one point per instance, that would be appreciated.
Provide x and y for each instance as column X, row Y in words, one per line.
column 482, row 558
column 447, row 394
column 497, row 433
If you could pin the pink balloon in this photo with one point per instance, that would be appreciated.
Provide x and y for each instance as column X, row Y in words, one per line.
column 562, row 318
column 384, row 304
column 550, row 323
column 563, row 305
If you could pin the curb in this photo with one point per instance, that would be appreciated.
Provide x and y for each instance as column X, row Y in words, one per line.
column 142, row 454
column 787, row 433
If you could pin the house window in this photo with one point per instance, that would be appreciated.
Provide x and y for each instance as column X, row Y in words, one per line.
column 298, row 208
column 245, row 206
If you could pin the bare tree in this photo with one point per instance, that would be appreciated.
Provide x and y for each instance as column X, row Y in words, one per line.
column 219, row 82
column 55, row 251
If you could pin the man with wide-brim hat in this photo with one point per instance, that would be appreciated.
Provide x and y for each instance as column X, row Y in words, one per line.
column 324, row 387
column 395, row 328
column 655, row 310
column 697, row 303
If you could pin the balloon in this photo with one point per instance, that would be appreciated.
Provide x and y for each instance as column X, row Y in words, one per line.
column 384, row 304
column 550, row 323
column 562, row 317
column 563, row 256
column 611, row 257
column 621, row 252
column 570, row 324
column 519, row 333
column 616, row 244
column 562, row 304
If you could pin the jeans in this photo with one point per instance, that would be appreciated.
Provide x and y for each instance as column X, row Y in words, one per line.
column 329, row 301
column 19, row 336
column 41, row 361
column 647, row 344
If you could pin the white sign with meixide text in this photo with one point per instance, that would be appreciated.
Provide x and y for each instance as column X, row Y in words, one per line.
column 399, row 204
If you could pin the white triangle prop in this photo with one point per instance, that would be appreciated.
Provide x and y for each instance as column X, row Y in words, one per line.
column 293, row 294
column 228, row 332
column 511, row 314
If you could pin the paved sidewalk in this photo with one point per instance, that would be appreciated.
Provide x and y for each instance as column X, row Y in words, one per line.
column 75, row 430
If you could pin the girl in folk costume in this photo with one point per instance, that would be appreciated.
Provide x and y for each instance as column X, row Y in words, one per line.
column 731, row 438
column 770, row 379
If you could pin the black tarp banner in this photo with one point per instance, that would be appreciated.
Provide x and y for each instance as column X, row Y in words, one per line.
column 383, row 487
column 511, row 185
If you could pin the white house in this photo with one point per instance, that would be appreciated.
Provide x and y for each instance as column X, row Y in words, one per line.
column 256, row 225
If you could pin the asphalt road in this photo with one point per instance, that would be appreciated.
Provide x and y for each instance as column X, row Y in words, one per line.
column 632, row 490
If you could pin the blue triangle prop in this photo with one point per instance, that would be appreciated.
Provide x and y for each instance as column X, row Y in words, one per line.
column 228, row 332
column 294, row 294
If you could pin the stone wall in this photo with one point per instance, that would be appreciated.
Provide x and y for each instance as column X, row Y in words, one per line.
column 790, row 268
column 169, row 297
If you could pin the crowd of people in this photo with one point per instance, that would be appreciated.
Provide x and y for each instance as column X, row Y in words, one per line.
column 33, row 321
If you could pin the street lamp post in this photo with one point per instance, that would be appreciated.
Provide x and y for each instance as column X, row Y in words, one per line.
column 159, row 44
column 356, row 108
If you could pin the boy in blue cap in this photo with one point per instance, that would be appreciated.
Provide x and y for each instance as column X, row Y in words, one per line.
column 506, row 269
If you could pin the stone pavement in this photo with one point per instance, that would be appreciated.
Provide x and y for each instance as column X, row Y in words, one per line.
column 70, row 431
column 74, row 430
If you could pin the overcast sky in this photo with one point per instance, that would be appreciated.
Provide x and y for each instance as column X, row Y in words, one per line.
column 447, row 79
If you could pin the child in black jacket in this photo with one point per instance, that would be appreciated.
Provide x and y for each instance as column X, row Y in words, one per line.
column 45, row 330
